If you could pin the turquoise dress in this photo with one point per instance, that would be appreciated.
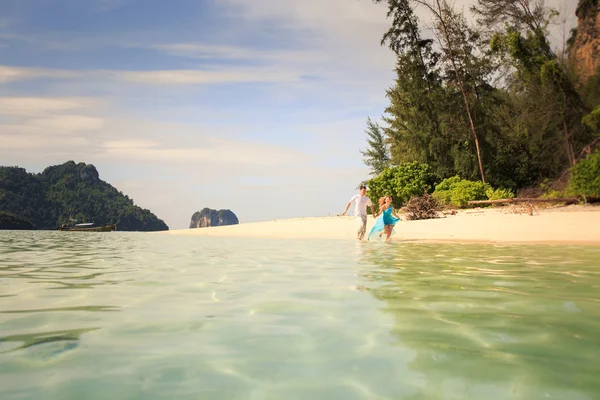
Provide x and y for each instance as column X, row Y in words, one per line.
column 386, row 218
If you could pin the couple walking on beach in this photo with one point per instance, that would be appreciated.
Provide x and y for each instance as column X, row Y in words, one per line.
column 384, row 225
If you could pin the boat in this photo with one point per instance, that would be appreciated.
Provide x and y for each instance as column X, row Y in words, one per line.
column 87, row 227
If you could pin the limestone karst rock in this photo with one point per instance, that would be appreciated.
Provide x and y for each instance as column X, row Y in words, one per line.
column 209, row 217
column 584, row 45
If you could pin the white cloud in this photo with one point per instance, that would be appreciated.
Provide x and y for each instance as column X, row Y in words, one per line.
column 48, row 122
column 68, row 123
column 44, row 43
column 216, row 75
column 229, row 52
column 341, row 26
column 213, row 152
column 200, row 77
column 19, row 146
column 8, row 73
column 36, row 106
column 129, row 144
column 311, row 13
column 93, row 123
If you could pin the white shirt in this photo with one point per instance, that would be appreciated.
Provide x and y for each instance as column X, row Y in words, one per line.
column 360, row 204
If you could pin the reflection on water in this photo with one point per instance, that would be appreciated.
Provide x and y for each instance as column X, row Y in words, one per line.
column 494, row 321
column 129, row 315
column 34, row 339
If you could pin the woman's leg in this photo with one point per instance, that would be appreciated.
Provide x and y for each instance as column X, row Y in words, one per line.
column 388, row 231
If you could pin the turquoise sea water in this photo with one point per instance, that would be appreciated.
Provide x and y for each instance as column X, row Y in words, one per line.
column 150, row 316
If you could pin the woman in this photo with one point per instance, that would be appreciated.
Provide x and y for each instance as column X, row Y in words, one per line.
column 385, row 223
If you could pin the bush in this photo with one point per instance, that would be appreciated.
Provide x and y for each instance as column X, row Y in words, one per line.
column 585, row 176
column 592, row 120
column 549, row 191
column 458, row 192
column 448, row 183
column 498, row 194
column 421, row 207
column 402, row 183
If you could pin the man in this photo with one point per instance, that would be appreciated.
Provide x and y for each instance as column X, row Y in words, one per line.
column 361, row 201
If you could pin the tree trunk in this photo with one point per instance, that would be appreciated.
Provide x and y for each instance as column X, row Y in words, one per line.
column 568, row 144
column 462, row 89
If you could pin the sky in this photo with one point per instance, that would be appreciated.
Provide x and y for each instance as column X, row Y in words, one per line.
column 257, row 106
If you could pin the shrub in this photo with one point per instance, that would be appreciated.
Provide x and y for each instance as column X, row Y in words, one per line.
column 549, row 192
column 498, row 194
column 443, row 191
column 585, row 176
column 458, row 192
column 421, row 207
column 592, row 120
column 402, row 183
column 448, row 183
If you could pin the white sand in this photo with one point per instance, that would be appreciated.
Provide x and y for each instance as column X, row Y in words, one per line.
column 567, row 225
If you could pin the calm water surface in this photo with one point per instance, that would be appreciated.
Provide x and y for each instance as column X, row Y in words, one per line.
column 150, row 316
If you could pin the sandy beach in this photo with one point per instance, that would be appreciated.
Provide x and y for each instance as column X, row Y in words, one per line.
column 566, row 225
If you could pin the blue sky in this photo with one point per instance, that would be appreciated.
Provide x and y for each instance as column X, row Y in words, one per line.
column 258, row 106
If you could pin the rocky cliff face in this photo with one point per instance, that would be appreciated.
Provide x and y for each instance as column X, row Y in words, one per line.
column 584, row 45
column 209, row 217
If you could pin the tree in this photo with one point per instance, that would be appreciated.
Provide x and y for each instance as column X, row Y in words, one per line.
column 414, row 127
column 491, row 101
column 453, row 34
column 456, row 42
column 519, row 30
column 377, row 155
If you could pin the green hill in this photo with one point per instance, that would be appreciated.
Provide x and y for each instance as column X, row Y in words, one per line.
column 65, row 191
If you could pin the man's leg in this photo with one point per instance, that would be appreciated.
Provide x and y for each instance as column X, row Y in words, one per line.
column 362, row 226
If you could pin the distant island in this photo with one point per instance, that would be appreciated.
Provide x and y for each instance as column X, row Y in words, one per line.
column 209, row 217
column 65, row 192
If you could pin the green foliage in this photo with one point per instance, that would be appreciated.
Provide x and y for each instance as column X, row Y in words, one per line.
column 11, row 221
column 550, row 106
column 427, row 117
column 555, row 194
column 458, row 192
column 551, row 72
column 377, row 155
column 572, row 37
column 414, row 126
column 590, row 91
column 592, row 120
column 402, row 182
column 530, row 123
column 448, row 184
column 585, row 176
column 551, row 193
column 67, row 191
column 498, row 194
